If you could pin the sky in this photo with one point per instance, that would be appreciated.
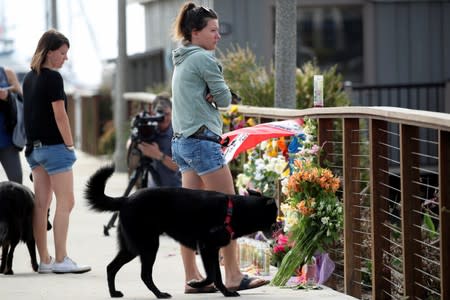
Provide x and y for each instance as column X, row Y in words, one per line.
column 90, row 26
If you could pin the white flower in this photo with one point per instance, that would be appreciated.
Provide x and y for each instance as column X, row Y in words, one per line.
column 280, row 165
column 242, row 180
column 259, row 175
column 263, row 144
column 325, row 220
column 290, row 214
column 284, row 185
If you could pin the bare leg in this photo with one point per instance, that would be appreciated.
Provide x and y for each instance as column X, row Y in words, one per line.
column 221, row 180
column 190, row 180
column 43, row 197
column 62, row 184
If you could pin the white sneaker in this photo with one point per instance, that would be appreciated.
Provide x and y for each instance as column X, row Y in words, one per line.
column 46, row 268
column 69, row 266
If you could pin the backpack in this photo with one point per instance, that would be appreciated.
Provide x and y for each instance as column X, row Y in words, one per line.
column 15, row 122
column 19, row 138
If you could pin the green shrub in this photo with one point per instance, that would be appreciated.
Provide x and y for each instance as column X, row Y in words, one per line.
column 107, row 141
column 246, row 77
column 256, row 86
column 333, row 92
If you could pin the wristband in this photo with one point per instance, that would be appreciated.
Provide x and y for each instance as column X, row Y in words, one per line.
column 70, row 147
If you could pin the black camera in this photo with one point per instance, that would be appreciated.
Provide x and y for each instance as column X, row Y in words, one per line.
column 144, row 126
column 235, row 98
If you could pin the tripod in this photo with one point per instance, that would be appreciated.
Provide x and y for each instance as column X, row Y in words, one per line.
column 144, row 168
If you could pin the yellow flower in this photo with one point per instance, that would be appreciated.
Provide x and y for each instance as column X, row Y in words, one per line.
column 233, row 109
column 226, row 121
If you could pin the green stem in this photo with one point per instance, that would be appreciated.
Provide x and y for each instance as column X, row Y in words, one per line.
column 303, row 249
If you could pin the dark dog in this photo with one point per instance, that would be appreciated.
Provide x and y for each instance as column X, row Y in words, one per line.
column 16, row 211
column 16, row 214
column 201, row 220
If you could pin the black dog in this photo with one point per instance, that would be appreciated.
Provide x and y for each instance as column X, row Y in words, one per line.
column 16, row 214
column 201, row 220
column 16, row 211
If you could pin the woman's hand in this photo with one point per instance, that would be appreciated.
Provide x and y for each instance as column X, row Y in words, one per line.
column 209, row 98
column 4, row 94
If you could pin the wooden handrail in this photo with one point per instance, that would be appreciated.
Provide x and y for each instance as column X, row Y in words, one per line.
column 427, row 119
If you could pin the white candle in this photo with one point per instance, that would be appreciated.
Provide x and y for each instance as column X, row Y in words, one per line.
column 318, row 91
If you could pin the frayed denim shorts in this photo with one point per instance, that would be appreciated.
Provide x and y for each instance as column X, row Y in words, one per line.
column 200, row 155
column 53, row 158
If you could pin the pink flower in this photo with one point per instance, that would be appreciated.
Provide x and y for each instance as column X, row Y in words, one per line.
column 282, row 240
column 278, row 249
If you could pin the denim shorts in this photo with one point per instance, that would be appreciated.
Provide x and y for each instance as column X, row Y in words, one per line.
column 53, row 158
column 202, row 156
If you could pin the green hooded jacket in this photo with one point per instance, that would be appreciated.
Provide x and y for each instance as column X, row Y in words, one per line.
column 197, row 71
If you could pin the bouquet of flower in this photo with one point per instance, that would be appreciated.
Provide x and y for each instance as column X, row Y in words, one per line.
column 279, row 249
column 264, row 167
column 313, row 214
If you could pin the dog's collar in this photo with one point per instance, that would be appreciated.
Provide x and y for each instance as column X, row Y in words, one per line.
column 228, row 217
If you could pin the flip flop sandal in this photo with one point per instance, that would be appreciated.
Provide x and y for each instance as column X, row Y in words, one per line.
column 246, row 283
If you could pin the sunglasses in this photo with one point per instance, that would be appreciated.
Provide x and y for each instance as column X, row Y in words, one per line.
column 206, row 10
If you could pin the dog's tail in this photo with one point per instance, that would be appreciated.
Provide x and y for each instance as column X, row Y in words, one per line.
column 95, row 191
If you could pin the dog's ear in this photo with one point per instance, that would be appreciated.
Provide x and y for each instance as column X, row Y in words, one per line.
column 270, row 201
column 254, row 193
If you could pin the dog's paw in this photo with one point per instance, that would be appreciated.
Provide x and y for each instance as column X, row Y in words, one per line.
column 35, row 267
column 163, row 295
column 9, row 272
column 116, row 294
column 229, row 293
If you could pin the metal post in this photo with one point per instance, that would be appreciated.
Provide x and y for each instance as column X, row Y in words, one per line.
column 119, row 101
column 53, row 17
column 285, row 53
column 447, row 97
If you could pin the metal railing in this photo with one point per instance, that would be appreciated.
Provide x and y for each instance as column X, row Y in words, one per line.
column 423, row 96
column 396, row 203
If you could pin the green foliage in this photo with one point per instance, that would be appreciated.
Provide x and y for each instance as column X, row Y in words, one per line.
column 256, row 85
column 107, row 141
column 246, row 77
column 333, row 91
column 428, row 223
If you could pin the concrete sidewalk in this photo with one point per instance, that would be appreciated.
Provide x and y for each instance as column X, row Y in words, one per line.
column 88, row 245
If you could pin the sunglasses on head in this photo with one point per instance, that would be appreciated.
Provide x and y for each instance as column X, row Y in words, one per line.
column 208, row 11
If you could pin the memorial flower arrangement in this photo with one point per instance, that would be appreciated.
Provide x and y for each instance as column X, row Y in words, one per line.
column 312, row 215
column 312, row 212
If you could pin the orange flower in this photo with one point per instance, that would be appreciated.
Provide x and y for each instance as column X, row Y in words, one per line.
column 298, row 164
column 304, row 207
